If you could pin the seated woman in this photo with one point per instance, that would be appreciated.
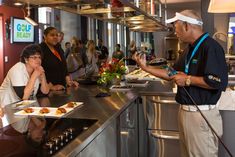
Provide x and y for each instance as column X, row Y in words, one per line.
column 118, row 53
column 54, row 62
column 23, row 79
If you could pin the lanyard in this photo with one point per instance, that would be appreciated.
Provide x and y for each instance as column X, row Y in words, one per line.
column 194, row 52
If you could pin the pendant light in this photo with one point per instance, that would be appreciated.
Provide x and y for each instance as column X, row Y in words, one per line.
column 28, row 19
column 221, row 6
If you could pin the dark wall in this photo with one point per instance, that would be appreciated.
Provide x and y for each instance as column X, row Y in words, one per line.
column 11, row 50
column 207, row 18
column 84, row 28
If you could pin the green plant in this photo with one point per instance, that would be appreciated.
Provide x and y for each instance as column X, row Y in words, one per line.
column 111, row 70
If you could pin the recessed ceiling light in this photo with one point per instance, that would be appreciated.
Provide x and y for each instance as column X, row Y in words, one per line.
column 18, row 4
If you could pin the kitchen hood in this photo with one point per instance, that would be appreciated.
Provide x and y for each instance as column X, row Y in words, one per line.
column 138, row 16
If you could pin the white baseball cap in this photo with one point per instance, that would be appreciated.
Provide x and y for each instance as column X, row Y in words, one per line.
column 184, row 18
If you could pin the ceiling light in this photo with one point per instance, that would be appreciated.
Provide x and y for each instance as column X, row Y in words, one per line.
column 18, row 4
column 28, row 19
column 221, row 6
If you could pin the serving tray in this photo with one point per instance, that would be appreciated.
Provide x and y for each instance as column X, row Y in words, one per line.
column 52, row 111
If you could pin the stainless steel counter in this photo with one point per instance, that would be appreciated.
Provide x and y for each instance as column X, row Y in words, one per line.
column 160, row 88
column 104, row 109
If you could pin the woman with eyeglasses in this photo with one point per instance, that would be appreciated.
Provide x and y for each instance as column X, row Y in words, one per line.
column 54, row 61
column 25, row 78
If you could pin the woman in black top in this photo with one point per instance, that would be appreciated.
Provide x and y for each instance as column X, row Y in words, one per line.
column 54, row 62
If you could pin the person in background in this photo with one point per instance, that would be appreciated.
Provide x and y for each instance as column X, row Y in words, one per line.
column 60, row 37
column 77, row 59
column 92, row 56
column 151, row 55
column 82, row 51
column 67, row 49
column 118, row 53
column 102, row 50
column 132, row 51
column 54, row 61
column 132, row 48
column 25, row 78
column 203, row 73
column 77, row 47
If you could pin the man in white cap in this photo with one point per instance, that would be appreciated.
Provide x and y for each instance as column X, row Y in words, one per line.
column 202, row 71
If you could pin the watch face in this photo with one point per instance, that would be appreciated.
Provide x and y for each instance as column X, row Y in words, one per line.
column 188, row 81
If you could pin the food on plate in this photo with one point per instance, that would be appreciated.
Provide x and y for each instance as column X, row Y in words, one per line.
column 61, row 110
column 70, row 104
column 44, row 110
column 19, row 104
column 28, row 110
column 23, row 103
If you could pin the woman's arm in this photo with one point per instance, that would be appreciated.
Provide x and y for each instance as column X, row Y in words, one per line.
column 44, row 85
column 30, row 85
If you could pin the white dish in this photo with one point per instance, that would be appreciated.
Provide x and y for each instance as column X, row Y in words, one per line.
column 141, row 75
column 23, row 104
column 120, row 88
column 36, row 112
column 137, row 84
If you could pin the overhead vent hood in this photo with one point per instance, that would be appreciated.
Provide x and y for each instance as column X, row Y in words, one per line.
column 138, row 16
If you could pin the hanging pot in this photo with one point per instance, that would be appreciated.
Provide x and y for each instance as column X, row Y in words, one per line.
column 116, row 8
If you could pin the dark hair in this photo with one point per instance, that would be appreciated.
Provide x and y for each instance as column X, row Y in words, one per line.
column 48, row 30
column 118, row 45
column 67, row 43
column 30, row 50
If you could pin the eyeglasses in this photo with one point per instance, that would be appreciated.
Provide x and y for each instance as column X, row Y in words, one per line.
column 35, row 57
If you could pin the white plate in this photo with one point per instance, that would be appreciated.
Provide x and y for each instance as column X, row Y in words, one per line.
column 23, row 104
column 141, row 75
column 76, row 104
column 36, row 112
column 120, row 88
column 138, row 84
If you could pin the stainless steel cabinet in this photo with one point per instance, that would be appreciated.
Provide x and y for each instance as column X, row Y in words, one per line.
column 104, row 145
column 161, row 118
column 128, row 132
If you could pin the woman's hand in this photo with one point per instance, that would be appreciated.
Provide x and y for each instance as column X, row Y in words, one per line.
column 39, row 72
column 72, row 83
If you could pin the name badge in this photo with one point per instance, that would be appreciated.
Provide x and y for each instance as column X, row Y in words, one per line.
column 194, row 61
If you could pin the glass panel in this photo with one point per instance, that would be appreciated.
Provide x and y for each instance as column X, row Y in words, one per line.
column 109, row 36
column 118, row 34
column 231, row 34
column 44, row 15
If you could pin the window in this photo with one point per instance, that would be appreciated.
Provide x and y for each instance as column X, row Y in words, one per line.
column 231, row 35
column 44, row 19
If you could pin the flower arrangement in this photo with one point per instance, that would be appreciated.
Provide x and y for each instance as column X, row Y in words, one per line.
column 110, row 71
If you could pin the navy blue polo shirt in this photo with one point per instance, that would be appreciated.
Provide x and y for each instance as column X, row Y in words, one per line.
column 208, row 62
